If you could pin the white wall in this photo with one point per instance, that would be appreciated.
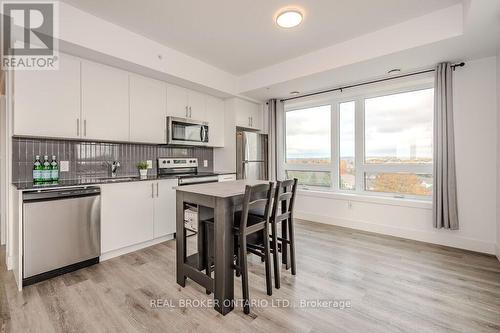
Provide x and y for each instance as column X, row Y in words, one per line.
column 3, row 174
column 83, row 30
column 498, row 157
column 475, row 94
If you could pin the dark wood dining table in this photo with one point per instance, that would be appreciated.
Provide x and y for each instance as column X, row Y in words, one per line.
column 219, row 200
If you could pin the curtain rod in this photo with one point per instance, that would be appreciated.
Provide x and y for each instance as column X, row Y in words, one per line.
column 461, row 64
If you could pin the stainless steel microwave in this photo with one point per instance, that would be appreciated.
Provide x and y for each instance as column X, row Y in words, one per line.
column 182, row 131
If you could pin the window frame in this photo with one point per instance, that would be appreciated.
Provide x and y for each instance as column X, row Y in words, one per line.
column 334, row 100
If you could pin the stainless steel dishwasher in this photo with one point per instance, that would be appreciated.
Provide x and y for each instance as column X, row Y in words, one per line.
column 61, row 231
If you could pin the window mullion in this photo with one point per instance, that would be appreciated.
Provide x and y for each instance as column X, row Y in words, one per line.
column 359, row 144
column 335, row 131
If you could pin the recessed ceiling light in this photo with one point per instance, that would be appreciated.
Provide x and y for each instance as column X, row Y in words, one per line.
column 394, row 71
column 289, row 18
column 294, row 92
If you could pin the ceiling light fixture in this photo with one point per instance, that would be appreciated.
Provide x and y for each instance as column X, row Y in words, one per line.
column 294, row 93
column 289, row 18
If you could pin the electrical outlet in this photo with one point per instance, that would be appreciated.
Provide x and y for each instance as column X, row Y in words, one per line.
column 150, row 164
column 205, row 163
column 64, row 166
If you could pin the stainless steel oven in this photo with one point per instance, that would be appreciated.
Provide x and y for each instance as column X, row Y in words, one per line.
column 183, row 131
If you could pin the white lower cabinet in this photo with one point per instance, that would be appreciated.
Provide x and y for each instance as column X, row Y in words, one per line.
column 164, row 208
column 126, row 214
column 136, row 212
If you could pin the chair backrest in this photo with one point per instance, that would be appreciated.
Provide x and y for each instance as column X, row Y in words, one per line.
column 255, row 197
column 284, row 198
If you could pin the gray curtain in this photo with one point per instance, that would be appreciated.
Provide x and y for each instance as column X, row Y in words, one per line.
column 445, row 210
column 274, row 106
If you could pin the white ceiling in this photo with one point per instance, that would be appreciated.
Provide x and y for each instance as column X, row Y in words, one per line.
column 479, row 39
column 240, row 36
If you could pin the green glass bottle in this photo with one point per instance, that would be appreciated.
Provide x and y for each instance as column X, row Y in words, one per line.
column 46, row 172
column 37, row 170
column 54, row 169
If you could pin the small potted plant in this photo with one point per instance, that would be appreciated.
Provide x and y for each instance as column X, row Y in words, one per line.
column 143, row 169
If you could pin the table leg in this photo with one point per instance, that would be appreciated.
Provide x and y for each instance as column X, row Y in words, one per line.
column 180, row 239
column 224, row 278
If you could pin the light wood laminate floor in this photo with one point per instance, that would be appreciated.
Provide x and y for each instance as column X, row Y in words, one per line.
column 394, row 285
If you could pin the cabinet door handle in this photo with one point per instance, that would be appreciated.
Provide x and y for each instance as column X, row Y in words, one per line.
column 251, row 121
column 152, row 190
column 187, row 112
column 85, row 127
column 190, row 113
column 157, row 190
column 77, row 126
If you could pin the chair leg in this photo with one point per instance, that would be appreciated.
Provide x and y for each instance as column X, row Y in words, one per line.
column 267, row 261
column 284, row 245
column 238, row 250
column 276, row 263
column 244, row 274
column 291, row 232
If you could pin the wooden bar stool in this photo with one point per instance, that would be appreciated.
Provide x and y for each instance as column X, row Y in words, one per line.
column 251, row 234
column 284, row 201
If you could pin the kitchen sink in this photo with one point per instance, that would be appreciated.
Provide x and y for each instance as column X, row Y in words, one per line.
column 118, row 179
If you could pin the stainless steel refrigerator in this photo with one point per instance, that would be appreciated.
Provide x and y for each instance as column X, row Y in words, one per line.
column 251, row 156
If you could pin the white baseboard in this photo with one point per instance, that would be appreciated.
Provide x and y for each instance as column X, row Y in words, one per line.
column 135, row 247
column 451, row 240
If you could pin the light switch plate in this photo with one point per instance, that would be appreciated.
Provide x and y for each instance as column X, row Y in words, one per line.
column 150, row 164
column 205, row 163
column 64, row 166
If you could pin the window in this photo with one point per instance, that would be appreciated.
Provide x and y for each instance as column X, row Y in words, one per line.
column 374, row 144
column 308, row 136
column 311, row 178
column 398, row 128
column 398, row 143
column 308, row 145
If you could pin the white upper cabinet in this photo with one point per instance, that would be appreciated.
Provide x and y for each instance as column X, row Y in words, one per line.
column 148, row 110
column 248, row 114
column 164, row 207
column 177, row 101
column 196, row 105
column 215, row 118
column 105, row 103
column 185, row 103
column 88, row 100
column 47, row 103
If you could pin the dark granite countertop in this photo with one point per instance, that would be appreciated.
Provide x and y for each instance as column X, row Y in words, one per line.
column 31, row 186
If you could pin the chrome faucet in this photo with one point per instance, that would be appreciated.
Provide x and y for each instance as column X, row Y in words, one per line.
column 113, row 168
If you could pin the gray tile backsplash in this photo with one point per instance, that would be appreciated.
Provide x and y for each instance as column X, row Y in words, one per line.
column 88, row 159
